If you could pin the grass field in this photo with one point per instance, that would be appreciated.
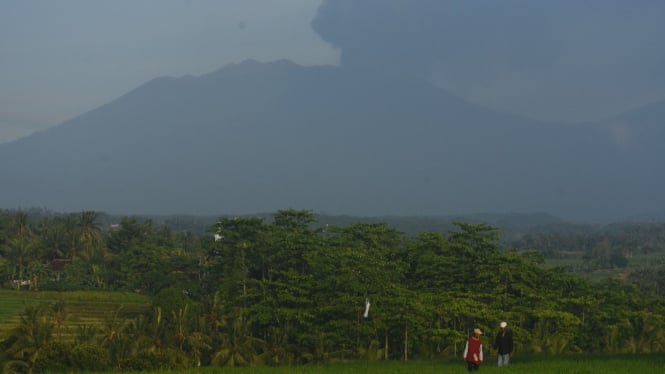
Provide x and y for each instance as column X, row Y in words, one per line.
column 570, row 364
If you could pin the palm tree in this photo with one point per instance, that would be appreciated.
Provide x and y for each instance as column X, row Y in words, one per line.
column 148, row 333
column 238, row 347
column 72, row 235
column 59, row 313
column 198, row 343
column 31, row 336
column 113, row 334
column 21, row 226
column 21, row 246
column 278, row 350
column 180, row 321
column 85, row 334
column 36, row 270
column 90, row 231
column 54, row 241
column 215, row 317
column 20, row 251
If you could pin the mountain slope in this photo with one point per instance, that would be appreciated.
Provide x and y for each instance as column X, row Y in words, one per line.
column 255, row 137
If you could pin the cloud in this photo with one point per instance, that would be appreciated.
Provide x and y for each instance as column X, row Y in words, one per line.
column 476, row 47
column 415, row 33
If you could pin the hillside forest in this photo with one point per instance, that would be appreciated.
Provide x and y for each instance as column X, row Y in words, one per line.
column 284, row 290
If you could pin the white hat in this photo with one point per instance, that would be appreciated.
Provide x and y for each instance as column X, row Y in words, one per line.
column 477, row 331
column 503, row 325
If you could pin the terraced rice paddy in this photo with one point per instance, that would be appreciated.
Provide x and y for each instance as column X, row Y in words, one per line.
column 80, row 309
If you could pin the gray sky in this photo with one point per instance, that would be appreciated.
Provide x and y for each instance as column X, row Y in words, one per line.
column 563, row 60
column 61, row 58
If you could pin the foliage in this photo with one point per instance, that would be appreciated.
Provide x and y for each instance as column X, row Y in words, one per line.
column 282, row 290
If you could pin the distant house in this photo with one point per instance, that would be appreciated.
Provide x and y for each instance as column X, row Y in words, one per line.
column 57, row 265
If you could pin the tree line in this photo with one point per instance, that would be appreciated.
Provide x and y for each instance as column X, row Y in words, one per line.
column 256, row 291
column 636, row 249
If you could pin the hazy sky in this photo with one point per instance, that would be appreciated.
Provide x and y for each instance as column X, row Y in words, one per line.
column 559, row 60
column 61, row 58
column 563, row 60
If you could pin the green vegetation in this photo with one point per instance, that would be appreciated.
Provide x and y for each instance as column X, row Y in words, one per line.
column 541, row 364
column 83, row 295
column 635, row 250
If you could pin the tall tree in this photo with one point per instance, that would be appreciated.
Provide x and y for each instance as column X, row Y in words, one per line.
column 90, row 230
column 21, row 225
column 21, row 251
column 72, row 233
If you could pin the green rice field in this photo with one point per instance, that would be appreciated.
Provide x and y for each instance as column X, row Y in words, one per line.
column 82, row 307
column 540, row 364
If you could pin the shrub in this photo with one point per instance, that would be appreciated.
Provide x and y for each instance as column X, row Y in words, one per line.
column 88, row 357
column 53, row 358
column 146, row 361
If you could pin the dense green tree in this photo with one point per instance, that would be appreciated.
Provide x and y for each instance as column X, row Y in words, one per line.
column 282, row 290
column 54, row 240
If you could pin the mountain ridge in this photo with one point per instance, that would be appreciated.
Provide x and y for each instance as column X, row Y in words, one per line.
column 254, row 137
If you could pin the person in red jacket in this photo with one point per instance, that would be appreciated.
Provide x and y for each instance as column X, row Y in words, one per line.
column 473, row 351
